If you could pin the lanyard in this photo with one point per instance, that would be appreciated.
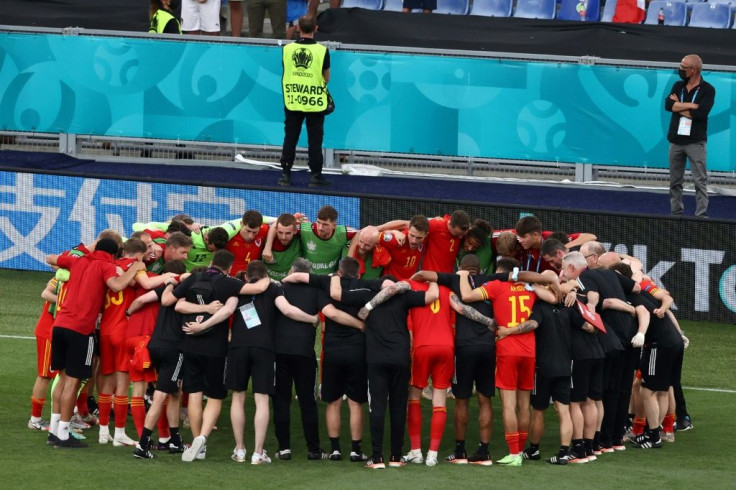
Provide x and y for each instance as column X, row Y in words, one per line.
column 529, row 261
column 682, row 95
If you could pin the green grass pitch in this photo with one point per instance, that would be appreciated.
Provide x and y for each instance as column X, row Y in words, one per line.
column 700, row 458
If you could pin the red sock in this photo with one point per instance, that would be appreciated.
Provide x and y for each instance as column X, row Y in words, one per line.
column 163, row 422
column 138, row 410
column 104, row 405
column 163, row 427
column 522, row 439
column 82, row 402
column 437, row 427
column 414, row 424
column 668, row 424
column 184, row 400
column 639, row 424
column 512, row 441
column 37, row 405
column 120, row 404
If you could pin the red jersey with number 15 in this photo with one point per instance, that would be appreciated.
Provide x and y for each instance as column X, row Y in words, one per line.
column 432, row 323
column 404, row 260
column 512, row 305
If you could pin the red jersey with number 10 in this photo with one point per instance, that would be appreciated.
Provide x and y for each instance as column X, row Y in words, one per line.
column 512, row 305
column 404, row 260
column 432, row 323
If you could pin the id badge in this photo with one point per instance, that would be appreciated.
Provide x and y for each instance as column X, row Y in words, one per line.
column 250, row 315
column 686, row 124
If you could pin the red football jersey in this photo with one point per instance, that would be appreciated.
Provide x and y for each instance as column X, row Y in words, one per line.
column 442, row 247
column 432, row 323
column 512, row 305
column 143, row 321
column 244, row 251
column 114, row 321
column 84, row 293
column 404, row 260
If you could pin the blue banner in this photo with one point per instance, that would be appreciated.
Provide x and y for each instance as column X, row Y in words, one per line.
column 386, row 102
column 46, row 214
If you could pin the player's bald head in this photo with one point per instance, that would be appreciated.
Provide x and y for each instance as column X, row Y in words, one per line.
column 608, row 259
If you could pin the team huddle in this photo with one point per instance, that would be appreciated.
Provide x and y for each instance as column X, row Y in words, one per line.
column 189, row 313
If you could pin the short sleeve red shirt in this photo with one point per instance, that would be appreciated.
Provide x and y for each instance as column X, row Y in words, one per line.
column 404, row 260
column 512, row 305
column 143, row 321
column 432, row 323
column 84, row 294
column 244, row 251
column 114, row 321
column 46, row 320
column 442, row 247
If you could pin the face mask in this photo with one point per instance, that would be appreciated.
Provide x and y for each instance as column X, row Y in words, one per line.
column 683, row 75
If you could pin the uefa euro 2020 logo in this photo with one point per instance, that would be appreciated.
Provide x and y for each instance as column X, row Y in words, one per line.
column 302, row 58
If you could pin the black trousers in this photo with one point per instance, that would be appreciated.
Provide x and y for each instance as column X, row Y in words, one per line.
column 315, row 133
column 301, row 371
column 612, row 378
column 388, row 386
column 629, row 364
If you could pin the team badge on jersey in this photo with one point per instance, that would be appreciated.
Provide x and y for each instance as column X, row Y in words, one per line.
column 311, row 246
column 387, row 237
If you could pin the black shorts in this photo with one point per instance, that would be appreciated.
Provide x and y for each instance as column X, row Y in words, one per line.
column 558, row 388
column 660, row 367
column 72, row 352
column 345, row 372
column 587, row 380
column 204, row 374
column 420, row 4
column 168, row 366
column 244, row 363
column 474, row 364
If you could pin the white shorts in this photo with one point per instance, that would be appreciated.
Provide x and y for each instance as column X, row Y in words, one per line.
column 198, row 16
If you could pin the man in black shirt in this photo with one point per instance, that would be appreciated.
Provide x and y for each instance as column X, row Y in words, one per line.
column 343, row 367
column 552, row 325
column 252, row 356
column 690, row 102
column 387, row 354
column 296, row 366
column 205, row 353
column 597, row 285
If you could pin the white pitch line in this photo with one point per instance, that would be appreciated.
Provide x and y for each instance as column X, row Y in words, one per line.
column 714, row 390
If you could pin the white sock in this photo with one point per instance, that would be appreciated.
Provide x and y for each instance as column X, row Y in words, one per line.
column 63, row 430
column 54, row 424
column 432, row 454
column 104, row 430
column 119, row 432
column 35, row 419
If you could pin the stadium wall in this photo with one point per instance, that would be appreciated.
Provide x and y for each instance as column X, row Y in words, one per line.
column 413, row 103
column 42, row 214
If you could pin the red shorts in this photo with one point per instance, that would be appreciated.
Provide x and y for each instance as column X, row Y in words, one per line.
column 139, row 363
column 515, row 373
column 113, row 354
column 43, row 357
column 437, row 361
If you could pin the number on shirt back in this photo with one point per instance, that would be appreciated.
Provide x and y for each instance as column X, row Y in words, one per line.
column 520, row 311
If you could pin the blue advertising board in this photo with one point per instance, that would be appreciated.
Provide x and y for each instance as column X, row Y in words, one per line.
column 45, row 214
column 386, row 102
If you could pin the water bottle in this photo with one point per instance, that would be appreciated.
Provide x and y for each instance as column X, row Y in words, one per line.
column 660, row 17
column 581, row 7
